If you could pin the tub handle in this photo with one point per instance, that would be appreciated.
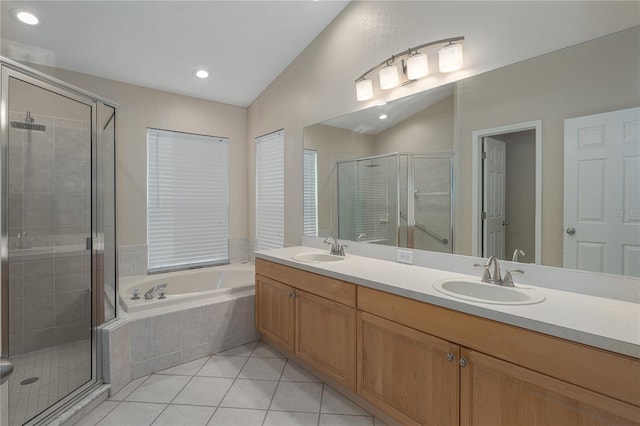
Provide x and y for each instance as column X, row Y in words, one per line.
column 136, row 294
column 161, row 293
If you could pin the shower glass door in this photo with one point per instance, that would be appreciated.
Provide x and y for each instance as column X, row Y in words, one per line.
column 47, row 257
column 432, row 178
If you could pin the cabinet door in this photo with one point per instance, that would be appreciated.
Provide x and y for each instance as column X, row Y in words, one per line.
column 274, row 311
column 326, row 337
column 495, row 392
column 409, row 374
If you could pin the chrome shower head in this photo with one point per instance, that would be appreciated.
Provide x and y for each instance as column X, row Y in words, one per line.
column 28, row 124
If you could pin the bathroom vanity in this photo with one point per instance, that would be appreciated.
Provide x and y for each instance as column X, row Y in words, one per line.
column 417, row 357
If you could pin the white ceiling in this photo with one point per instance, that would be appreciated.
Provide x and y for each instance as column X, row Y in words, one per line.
column 244, row 45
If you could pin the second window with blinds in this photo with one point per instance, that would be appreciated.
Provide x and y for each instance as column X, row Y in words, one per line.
column 270, row 191
column 187, row 200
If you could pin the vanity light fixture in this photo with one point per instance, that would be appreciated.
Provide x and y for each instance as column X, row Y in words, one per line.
column 410, row 65
column 202, row 74
column 25, row 16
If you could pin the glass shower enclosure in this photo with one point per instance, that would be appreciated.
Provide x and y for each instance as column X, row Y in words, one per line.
column 57, row 246
column 399, row 199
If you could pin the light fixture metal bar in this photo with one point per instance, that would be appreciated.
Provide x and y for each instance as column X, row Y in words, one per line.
column 407, row 52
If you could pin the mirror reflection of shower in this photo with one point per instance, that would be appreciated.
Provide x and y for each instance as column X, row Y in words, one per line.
column 375, row 206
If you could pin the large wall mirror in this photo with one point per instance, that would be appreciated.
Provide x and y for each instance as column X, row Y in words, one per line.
column 539, row 160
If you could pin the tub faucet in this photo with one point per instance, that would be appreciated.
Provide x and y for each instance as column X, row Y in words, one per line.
column 362, row 237
column 336, row 248
column 153, row 290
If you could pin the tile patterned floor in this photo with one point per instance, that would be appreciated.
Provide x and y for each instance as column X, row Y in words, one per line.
column 59, row 371
column 248, row 385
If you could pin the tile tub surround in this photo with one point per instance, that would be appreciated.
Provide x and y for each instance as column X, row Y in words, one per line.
column 137, row 346
column 133, row 260
column 248, row 385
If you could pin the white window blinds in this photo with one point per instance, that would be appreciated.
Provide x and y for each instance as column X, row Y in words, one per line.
column 270, row 191
column 187, row 200
column 310, row 193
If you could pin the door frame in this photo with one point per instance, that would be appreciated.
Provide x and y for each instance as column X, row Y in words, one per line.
column 477, row 188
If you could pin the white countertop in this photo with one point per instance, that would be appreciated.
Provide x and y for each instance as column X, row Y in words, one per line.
column 608, row 324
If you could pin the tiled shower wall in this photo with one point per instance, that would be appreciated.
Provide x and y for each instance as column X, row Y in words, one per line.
column 132, row 260
column 49, row 209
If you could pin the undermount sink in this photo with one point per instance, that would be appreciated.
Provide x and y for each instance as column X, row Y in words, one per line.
column 477, row 291
column 317, row 257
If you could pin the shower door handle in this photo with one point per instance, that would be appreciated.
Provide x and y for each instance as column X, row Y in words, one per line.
column 6, row 368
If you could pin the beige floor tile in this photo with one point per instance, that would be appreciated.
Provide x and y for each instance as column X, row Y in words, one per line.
column 184, row 415
column 204, row 391
column 237, row 416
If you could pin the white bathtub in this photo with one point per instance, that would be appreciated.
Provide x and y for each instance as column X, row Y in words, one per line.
column 187, row 286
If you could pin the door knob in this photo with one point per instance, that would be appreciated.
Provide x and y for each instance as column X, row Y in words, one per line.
column 6, row 368
column 571, row 231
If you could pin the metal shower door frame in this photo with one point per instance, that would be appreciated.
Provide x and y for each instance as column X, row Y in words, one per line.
column 9, row 70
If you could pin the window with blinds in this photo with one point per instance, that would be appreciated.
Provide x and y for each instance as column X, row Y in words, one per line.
column 310, row 193
column 187, row 200
column 270, row 191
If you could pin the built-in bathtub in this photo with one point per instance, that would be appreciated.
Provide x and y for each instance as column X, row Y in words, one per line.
column 186, row 286
column 205, row 311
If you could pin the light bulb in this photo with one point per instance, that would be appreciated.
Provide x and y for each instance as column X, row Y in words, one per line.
column 364, row 90
column 417, row 66
column 389, row 77
column 25, row 16
column 450, row 57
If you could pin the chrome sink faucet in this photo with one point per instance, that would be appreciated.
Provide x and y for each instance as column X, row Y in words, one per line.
column 336, row 248
column 495, row 277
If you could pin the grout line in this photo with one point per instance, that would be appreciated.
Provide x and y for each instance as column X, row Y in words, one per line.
column 235, row 379
column 275, row 390
column 321, row 401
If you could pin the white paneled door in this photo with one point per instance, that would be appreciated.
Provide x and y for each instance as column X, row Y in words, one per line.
column 602, row 192
column 494, row 181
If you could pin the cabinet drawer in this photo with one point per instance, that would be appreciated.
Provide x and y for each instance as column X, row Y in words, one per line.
column 330, row 288
column 605, row 372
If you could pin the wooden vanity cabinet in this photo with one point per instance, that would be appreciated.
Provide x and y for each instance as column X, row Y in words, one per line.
column 310, row 316
column 495, row 382
column 423, row 364
column 495, row 392
column 274, row 311
column 325, row 336
column 411, row 375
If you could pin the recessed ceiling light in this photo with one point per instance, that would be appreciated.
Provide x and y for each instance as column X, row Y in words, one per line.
column 202, row 74
column 383, row 116
column 25, row 16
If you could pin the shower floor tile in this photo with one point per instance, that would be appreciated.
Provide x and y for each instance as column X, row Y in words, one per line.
column 287, row 395
column 42, row 378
